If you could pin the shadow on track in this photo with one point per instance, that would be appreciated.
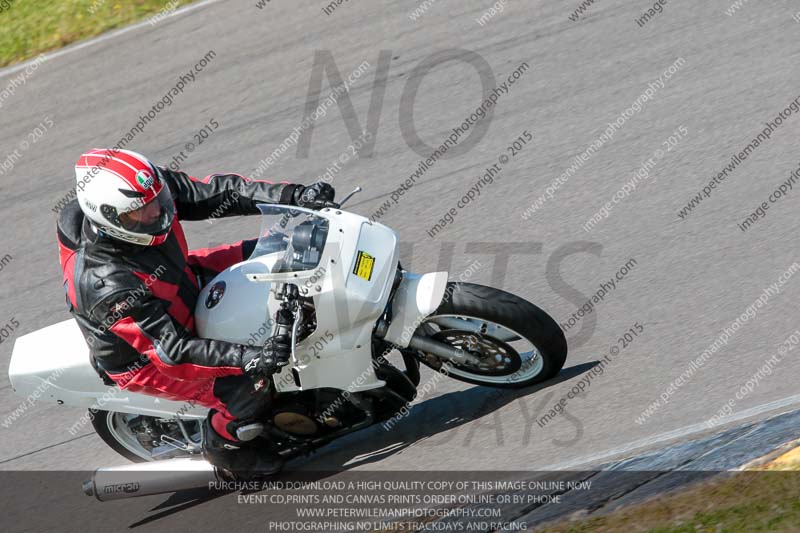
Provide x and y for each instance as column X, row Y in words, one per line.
column 425, row 421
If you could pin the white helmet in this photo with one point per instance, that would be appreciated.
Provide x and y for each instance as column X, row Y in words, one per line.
column 124, row 196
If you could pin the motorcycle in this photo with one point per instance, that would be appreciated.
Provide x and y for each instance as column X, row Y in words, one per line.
column 337, row 275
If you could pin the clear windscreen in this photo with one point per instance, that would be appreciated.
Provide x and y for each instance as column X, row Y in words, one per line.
column 295, row 238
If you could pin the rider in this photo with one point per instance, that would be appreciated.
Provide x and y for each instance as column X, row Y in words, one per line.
column 132, row 284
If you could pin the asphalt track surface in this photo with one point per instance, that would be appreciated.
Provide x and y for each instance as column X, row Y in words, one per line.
column 692, row 277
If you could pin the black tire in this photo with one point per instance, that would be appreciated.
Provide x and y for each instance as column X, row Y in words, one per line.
column 515, row 313
column 100, row 423
column 397, row 381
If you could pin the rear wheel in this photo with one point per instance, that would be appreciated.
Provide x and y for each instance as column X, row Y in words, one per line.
column 518, row 344
column 141, row 438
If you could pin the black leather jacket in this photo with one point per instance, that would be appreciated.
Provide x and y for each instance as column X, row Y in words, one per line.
column 134, row 304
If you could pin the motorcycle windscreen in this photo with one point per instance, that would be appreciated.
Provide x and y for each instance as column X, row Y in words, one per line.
column 295, row 237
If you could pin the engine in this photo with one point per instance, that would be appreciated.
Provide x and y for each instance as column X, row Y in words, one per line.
column 319, row 412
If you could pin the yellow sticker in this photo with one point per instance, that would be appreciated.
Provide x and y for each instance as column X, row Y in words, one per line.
column 364, row 264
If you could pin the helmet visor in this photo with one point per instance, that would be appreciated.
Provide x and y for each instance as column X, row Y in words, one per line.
column 153, row 218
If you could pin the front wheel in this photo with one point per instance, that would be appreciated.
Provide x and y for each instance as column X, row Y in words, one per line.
column 517, row 343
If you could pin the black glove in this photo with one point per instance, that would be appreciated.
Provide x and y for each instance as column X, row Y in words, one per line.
column 314, row 196
column 262, row 363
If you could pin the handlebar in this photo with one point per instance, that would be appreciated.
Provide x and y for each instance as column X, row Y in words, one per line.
column 352, row 193
column 337, row 205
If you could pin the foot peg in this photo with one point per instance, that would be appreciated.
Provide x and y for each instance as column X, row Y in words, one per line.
column 250, row 431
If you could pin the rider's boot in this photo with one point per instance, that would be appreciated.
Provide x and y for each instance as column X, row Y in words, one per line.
column 242, row 458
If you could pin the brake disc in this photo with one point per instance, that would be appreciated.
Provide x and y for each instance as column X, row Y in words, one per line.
column 496, row 357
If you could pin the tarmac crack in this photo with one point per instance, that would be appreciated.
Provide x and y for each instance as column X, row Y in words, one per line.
column 45, row 448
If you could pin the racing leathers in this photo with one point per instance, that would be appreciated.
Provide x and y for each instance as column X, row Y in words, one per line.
column 134, row 304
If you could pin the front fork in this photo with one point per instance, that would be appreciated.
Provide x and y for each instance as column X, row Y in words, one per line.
column 418, row 342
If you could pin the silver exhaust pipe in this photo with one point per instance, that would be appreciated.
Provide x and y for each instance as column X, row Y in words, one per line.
column 146, row 479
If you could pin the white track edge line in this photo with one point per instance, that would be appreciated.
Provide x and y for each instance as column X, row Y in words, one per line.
column 681, row 432
column 101, row 38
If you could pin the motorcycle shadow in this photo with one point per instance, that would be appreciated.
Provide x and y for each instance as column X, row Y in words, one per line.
column 430, row 417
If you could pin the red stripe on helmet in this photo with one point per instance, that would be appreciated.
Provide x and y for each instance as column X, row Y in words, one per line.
column 136, row 161
column 89, row 167
column 127, row 167
column 94, row 157
column 133, row 159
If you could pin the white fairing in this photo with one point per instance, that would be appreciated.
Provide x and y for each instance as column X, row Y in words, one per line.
column 350, row 287
column 244, row 313
column 52, row 365
column 416, row 298
column 339, row 353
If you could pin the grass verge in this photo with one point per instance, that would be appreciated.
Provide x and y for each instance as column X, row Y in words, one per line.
column 29, row 28
column 766, row 499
